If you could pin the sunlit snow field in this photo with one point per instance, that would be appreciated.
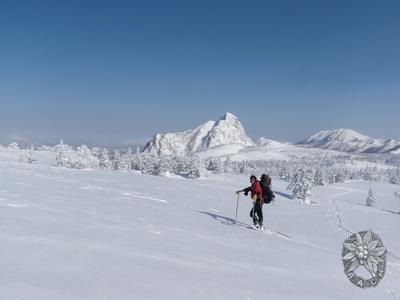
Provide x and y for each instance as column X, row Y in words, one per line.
column 101, row 234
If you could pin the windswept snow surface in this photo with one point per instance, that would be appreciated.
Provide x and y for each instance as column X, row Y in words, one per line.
column 93, row 234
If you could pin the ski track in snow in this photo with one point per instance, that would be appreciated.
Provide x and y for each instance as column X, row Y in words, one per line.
column 124, row 193
column 279, row 235
column 339, row 221
column 339, row 217
column 392, row 293
column 295, row 240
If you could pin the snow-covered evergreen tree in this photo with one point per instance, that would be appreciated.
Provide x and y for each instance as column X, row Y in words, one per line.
column 339, row 177
column 301, row 185
column 284, row 174
column 61, row 159
column 179, row 165
column 227, row 165
column 395, row 176
column 13, row 146
column 97, row 151
column 319, row 178
column 125, row 161
column 215, row 164
column 194, row 168
column 85, row 159
column 370, row 202
column 244, row 168
column 27, row 157
column 137, row 161
column 62, row 155
column 163, row 166
column 105, row 161
column 116, row 157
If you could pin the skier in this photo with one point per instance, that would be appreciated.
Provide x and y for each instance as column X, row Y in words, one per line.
column 256, row 195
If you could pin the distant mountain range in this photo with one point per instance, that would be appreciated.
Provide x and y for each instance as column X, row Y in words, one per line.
column 347, row 140
column 227, row 136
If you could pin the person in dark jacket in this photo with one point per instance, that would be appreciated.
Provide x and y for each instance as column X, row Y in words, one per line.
column 256, row 195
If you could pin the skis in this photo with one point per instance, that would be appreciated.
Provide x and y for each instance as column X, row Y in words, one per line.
column 271, row 232
column 258, row 227
column 262, row 229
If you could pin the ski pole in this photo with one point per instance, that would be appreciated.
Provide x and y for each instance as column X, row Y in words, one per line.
column 237, row 206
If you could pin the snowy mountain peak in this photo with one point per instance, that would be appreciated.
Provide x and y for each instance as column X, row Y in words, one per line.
column 343, row 135
column 229, row 116
column 348, row 140
column 226, row 131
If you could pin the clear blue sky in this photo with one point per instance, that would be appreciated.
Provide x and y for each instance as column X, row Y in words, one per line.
column 111, row 71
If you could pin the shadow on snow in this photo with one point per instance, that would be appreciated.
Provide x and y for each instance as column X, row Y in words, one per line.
column 287, row 196
column 224, row 219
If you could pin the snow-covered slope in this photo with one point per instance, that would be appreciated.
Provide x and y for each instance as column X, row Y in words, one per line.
column 348, row 140
column 226, row 131
column 266, row 149
column 396, row 150
column 97, row 234
column 271, row 144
